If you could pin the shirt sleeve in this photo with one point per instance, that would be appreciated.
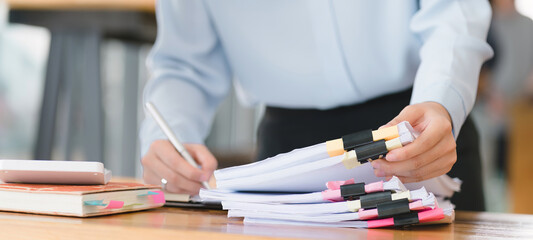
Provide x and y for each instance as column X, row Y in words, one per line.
column 189, row 73
column 454, row 48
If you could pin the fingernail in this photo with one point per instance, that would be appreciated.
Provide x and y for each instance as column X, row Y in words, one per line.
column 391, row 157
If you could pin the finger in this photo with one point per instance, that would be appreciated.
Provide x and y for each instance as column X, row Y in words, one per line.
column 436, row 168
column 149, row 162
column 206, row 160
column 176, row 183
column 152, row 173
column 150, row 177
column 401, row 168
column 170, row 156
column 409, row 113
column 203, row 156
column 160, row 170
column 434, row 133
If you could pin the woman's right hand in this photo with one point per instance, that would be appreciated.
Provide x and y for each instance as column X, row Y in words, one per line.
column 163, row 161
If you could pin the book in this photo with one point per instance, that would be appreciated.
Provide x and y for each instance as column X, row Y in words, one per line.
column 177, row 197
column 80, row 200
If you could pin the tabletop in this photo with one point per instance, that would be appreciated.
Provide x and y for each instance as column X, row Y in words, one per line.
column 169, row 222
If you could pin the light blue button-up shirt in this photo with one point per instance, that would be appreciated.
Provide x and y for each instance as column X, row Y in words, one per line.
column 311, row 54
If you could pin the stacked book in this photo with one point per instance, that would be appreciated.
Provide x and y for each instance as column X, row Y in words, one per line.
column 305, row 186
column 69, row 188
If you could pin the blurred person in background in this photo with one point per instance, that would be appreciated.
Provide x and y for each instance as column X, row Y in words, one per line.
column 323, row 69
column 505, row 79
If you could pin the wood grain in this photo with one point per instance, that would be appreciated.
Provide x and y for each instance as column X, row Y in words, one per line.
column 210, row 224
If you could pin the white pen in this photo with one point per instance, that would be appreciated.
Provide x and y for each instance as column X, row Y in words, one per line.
column 173, row 139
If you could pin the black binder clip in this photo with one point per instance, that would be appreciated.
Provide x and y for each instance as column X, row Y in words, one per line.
column 365, row 153
column 372, row 151
column 406, row 219
column 393, row 208
column 352, row 191
column 371, row 200
column 357, row 139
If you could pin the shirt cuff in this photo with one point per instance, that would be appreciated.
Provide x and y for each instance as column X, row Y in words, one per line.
column 446, row 95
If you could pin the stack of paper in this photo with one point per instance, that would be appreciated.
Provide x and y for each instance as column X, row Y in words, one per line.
column 306, row 170
column 346, row 204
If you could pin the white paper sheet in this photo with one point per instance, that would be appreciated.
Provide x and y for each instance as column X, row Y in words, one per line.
column 278, row 162
column 313, row 208
column 295, row 217
column 448, row 218
column 228, row 195
column 311, row 177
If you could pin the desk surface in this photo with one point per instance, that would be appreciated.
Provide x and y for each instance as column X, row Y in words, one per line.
column 169, row 223
column 139, row 5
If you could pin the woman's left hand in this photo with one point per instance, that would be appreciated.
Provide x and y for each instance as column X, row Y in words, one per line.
column 432, row 154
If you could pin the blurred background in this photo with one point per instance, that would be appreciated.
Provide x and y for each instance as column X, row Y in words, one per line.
column 72, row 74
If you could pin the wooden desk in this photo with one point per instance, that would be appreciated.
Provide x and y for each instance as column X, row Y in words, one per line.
column 181, row 223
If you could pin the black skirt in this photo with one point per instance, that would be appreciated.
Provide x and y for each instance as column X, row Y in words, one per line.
column 282, row 130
